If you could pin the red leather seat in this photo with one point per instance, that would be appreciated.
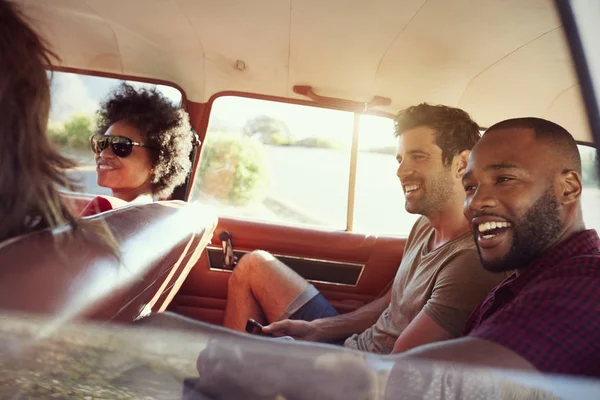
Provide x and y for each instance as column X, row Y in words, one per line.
column 81, row 277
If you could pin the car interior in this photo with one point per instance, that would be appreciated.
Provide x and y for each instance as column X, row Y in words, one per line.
column 359, row 61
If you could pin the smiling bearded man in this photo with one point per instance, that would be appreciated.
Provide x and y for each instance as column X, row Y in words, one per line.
column 523, row 204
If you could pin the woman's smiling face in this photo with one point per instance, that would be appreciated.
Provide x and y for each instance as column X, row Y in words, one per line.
column 128, row 177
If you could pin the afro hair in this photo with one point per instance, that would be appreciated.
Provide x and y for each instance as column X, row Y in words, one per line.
column 164, row 127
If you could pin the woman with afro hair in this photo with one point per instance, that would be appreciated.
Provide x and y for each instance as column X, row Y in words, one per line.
column 142, row 147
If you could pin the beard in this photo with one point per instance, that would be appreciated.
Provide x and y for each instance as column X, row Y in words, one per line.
column 438, row 191
column 532, row 235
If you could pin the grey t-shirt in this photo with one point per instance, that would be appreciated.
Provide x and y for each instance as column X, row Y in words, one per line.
column 447, row 283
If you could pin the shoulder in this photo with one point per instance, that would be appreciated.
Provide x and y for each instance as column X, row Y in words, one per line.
column 583, row 267
column 577, row 279
column 465, row 266
column 460, row 262
column 461, row 251
column 556, row 313
column 571, row 285
column 420, row 230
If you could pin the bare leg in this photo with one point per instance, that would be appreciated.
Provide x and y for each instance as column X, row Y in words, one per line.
column 260, row 287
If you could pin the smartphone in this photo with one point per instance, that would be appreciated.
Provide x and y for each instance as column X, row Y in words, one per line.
column 253, row 326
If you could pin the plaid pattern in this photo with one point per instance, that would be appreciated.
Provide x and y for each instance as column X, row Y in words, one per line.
column 550, row 313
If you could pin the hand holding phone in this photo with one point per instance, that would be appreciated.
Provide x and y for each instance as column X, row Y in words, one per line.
column 254, row 327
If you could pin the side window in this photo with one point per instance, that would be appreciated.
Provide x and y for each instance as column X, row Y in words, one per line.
column 75, row 98
column 590, row 197
column 276, row 162
column 291, row 164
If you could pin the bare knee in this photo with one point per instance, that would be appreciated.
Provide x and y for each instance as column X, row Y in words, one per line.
column 259, row 257
column 257, row 261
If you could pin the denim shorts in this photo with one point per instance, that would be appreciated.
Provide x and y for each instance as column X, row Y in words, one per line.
column 316, row 307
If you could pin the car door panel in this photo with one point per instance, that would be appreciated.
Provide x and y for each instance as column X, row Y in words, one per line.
column 315, row 270
column 350, row 269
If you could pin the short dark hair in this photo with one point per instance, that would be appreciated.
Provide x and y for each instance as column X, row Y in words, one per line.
column 555, row 135
column 164, row 127
column 455, row 131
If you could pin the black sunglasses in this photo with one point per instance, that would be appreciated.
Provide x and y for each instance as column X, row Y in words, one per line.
column 121, row 146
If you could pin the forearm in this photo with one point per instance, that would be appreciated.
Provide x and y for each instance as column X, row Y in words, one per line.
column 343, row 326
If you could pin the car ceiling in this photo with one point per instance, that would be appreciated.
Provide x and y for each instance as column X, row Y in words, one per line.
column 495, row 59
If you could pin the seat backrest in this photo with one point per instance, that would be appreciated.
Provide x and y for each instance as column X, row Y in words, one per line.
column 76, row 275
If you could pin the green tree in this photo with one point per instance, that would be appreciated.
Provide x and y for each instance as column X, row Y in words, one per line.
column 73, row 134
column 319, row 142
column 233, row 169
column 268, row 130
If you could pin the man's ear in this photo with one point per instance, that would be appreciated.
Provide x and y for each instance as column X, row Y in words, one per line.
column 461, row 163
column 569, row 186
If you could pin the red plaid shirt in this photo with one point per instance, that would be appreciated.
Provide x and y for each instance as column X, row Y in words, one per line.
column 550, row 313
